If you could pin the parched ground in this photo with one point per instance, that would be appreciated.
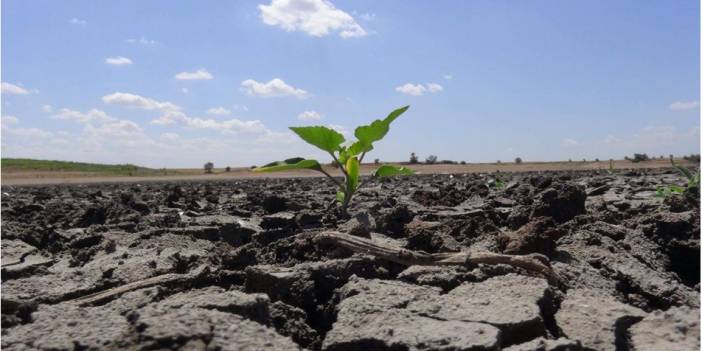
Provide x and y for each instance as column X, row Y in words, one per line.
column 234, row 265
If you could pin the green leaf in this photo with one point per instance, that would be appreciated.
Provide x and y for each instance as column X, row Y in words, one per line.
column 676, row 189
column 686, row 172
column 324, row 138
column 357, row 148
column 369, row 134
column 353, row 170
column 291, row 163
column 389, row 171
column 340, row 196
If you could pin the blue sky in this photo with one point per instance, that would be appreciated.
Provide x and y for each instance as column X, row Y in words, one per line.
column 176, row 84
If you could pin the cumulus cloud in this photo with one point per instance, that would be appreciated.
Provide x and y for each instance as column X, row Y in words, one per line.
column 434, row 88
column 317, row 18
column 309, row 116
column 200, row 74
column 339, row 128
column 169, row 136
column 234, row 125
column 77, row 21
column 569, row 142
column 8, row 88
column 419, row 89
column 47, row 108
column 275, row 87
column 136, row 101
column 93, row 115
column 684, row 105
column 118, row 61
column 8, row 120
column 142, row 41
column 219, row 111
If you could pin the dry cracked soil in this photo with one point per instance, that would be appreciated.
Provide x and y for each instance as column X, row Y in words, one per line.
column 252, row 277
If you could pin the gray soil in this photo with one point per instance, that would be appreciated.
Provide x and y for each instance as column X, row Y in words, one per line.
column 254, row 278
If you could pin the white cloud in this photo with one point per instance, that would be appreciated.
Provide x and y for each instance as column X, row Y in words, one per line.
column 569, row 142
column 47, row 108
column 339, row 128
column 142, row 41
column 309, row 116
column 684, row 105
column 118, row 61
column 136, row 101
column 419, row 89
column 317, row 18
column 229, row 126
column 120, row 128
column 611, row 139
column 80, row 117
column 448, row 76
column 219, row 111
column 28, row 132
column 185, row 90
column 412, row 89
column 240, row 107
column 77, row 21
column 367, row 16
column 275, row 87
column 434, row 88
column 8, row 120
column 200, row 74
column 169, row 136
column 8, row 88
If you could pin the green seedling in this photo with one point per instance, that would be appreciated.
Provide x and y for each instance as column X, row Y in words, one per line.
column 348, row 158
column 611, row 167
column 496, row 183
column 668, row 190
column 693, row 179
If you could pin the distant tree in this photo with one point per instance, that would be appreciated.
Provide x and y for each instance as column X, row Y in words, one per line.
column 498, row 162
column 692, row 157
column 228, row 169
column 570, row 160
column 376, row 161
column 413, row 159
column 518, row 160
column 584, row 160
column 639, row 158
column 597, row 160
column 209, row 166
column 463, row 162
column 431, row 159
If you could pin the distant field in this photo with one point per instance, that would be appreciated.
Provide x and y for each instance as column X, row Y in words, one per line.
column 28, row 171
column 13, row 165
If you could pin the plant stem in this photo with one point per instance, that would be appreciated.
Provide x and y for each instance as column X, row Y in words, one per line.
column 332, row 178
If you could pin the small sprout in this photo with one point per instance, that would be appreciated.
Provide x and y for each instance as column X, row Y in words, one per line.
column 611, row 167
column 693, row 179
column 496, row 182
column 347, row 158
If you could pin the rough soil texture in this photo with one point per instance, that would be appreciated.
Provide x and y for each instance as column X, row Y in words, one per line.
column 250, row 276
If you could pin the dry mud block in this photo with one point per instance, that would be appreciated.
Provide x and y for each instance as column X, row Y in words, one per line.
column 675, row 329
column 379, row 314
column 205, row 319
column 598, row 322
